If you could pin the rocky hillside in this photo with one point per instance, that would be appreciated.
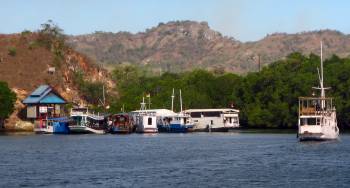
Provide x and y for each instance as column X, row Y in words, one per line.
column 25, row 64
column 178, row 46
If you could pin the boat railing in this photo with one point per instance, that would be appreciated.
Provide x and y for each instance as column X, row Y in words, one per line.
column 309, row 106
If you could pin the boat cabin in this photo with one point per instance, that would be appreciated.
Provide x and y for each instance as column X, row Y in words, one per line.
column 311, row 109
column 221, row 119
column 121, row 123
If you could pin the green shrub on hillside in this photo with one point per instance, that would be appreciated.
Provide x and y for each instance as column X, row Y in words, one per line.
column 7, row 101
column 12, row 51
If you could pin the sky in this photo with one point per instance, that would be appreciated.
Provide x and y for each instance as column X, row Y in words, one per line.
column 244, row 20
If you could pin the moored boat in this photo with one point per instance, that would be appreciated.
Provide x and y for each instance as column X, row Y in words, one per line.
column 85, row 122
column 145, row 120
column 121, row 124
column 52, row 126
column 317, row 120
column 214, row 120
column 176, row 122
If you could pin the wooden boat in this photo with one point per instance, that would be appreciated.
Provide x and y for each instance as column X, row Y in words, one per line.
column 121, row 124
column 85, row 122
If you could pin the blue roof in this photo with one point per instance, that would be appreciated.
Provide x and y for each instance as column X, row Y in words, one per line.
column 44, row 95
column 40, row 90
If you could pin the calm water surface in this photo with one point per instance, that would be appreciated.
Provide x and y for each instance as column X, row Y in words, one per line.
column 173, row 160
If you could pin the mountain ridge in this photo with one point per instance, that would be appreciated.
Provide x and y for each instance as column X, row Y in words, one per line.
column 185, row 45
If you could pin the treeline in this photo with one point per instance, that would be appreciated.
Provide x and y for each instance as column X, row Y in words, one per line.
column 266, row 99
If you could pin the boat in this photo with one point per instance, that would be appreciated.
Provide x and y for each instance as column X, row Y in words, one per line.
column 145, row 121
column 52, row 126
column 317, row 120
column 85, row 122
column 177, row 122
column 121, row 124
column 214, row 120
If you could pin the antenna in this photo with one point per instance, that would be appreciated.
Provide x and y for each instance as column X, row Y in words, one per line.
column 172, row 101
column 103, row 101
column 180, row 101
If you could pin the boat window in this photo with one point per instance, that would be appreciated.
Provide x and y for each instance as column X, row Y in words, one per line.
column 318, row 121
column 309, row 121
column 230, row 120
column 121, row 119
column 212, row 114
column 211, row 122
column 196, row 114
column 149, row 121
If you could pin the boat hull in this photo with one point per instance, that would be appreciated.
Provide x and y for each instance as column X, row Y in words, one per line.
column 174, row 128
column 148, row 130
column 118, row 130
column 85, row 130
column 218, row 129
column 55, row 128
column 315, row 137
column 61, row 128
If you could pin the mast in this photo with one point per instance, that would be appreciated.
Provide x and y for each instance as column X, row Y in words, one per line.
column 104, row 96
column 180, row 101
column 323, row 94
column 172, row 101
column 143, row 104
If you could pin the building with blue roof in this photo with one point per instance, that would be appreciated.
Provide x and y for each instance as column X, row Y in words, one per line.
column 44, row 102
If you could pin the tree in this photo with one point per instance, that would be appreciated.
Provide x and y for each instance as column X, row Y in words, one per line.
column 7, row 100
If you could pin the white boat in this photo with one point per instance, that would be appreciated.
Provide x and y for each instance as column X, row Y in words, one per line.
column 86, row 122
column 214, row 120
column 317, row 118
column 145, row 120
column 176, row 122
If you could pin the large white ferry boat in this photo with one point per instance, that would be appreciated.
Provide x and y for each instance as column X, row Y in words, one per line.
column 317, row 115
column 214, row 120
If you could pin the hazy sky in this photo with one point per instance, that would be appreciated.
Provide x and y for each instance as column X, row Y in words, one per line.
column 245, row 20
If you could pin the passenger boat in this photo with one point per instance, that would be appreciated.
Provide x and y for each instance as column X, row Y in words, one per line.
column 179, row 123
column 86, row 122
column 52, row 126
column 176, row 122
column 214, row 120
column 145, row 121
column 317, row 119
column 121, row 124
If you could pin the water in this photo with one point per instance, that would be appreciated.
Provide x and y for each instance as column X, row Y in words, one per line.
column 173, row 160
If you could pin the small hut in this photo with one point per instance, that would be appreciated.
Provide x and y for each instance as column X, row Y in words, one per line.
column 44, row 102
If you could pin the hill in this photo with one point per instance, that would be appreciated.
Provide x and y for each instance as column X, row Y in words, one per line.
column 184, row 45
column 27, row 61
